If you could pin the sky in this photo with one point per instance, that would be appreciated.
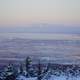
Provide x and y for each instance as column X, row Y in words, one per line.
column 40, row 16
column 20, row 12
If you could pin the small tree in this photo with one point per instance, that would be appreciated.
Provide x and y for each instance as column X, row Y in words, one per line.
column 21, row 69
column 28, row 63
column 39, row 76
column 10, row 72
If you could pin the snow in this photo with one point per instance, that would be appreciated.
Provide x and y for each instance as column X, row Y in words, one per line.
column 51, row 78
column 63, row 78
column 31, row 78
column 24, row 78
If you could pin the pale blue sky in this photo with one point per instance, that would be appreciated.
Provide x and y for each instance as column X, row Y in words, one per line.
column 39, row 11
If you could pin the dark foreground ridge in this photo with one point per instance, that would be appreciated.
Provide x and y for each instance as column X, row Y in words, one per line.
column 38, row 71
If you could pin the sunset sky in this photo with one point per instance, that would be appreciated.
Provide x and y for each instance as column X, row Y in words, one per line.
column 16, row 12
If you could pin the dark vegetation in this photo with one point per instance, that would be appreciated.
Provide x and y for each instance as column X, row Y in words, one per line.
column 39, row 70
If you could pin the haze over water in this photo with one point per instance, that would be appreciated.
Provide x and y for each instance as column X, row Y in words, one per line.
column 58, row 48
column 41, row 36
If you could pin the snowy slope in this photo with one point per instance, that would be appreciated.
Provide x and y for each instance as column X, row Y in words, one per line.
column 24, row 78
column 51, row 78
column 63, row 78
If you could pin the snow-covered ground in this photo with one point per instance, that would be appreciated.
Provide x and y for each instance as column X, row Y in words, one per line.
column 24, row 78
column 63, row 78
column 51, row 78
